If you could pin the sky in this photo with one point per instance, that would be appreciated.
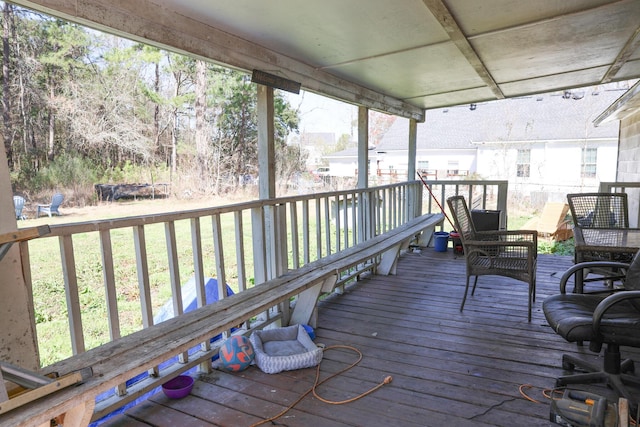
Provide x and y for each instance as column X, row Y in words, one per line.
column 322, row 114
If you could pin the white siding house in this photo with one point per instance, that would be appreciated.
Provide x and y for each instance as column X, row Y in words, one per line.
column 546, row 146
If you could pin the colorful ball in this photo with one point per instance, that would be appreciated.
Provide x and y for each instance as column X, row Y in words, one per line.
column 236, row 353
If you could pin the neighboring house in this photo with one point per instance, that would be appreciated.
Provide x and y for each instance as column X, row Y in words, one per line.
column 315, row 144
column 546, row 145
column 344, row 164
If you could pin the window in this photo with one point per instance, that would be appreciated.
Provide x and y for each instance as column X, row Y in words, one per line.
column 589, row 162
column 453, row 167
column 523, row 163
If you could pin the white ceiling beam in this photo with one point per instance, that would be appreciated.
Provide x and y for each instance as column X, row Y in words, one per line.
column 450, row 25
column 625, row 53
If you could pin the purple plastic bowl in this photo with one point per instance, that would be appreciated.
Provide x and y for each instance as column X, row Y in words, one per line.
column 178, row 387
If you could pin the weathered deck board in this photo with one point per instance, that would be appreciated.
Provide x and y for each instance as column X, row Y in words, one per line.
column 448, row 368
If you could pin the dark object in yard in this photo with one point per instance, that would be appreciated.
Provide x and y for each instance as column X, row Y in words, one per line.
column 110, row 192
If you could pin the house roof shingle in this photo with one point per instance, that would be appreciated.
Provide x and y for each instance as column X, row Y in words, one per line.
column 547, row 117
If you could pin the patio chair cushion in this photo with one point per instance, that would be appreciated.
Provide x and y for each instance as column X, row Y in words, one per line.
column 284, row 349
column 571, row 316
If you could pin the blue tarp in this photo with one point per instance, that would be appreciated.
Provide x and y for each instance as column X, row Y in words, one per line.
column 189, row 303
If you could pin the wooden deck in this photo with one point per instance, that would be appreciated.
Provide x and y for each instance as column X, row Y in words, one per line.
column 448, row 368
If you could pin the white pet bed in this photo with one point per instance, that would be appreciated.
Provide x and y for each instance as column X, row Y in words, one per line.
column 284, row 349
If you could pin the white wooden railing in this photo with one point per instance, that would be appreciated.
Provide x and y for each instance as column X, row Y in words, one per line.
column 242, row 245
column 633, row 194
column 484, row 195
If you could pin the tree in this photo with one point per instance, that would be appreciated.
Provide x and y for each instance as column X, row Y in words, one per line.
column 86, row 100
column 7, row 13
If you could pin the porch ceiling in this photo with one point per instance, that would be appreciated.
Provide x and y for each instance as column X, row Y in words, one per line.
column 397, row 56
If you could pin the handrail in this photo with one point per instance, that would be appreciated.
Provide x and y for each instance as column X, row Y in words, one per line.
column 118, row 360
column 633, row 192
column 480, row 194
column 243, row 245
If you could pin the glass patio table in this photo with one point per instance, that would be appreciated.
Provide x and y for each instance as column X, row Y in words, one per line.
column 610, row 244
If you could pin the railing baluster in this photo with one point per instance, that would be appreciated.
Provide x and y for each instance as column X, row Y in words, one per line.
column 327, row 225
column 142, row 267
column 295, row 235
column 174, row 275
column 241, row 266
column 259, row 246
column 71, row 291
column 337, row 212
column 198, row 269
column 198, row 273
column 345, row 218
column 218, row 254
column 109, row 284
column 306, row 232
column 357, row 201
column 318, row 230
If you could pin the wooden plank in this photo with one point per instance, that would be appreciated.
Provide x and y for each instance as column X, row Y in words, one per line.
column 165, row 416
column 262, row 402
column 142, row 267
column 306, row 232
column 327, row 224
column 240, row 264
column 41, row 391
column 259, row 246
column 117, row 361
column 295, row 236
column 71, row 292
column 174, row 275
column 218, row 253
column 387, row 264
column 448, row 368
column 24, row 234
column 109, row 284
column 308, row 299
column 318, row 228
column 4, row 396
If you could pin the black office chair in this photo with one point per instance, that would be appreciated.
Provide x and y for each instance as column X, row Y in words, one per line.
column 612, row 319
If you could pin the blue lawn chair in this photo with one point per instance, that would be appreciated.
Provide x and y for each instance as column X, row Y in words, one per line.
column 51, row 208
column 18, row 204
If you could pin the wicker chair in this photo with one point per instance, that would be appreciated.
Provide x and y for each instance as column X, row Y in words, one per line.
column 501, row 253
column 601, row 210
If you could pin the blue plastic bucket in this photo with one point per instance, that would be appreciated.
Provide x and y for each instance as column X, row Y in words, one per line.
column 441, row 239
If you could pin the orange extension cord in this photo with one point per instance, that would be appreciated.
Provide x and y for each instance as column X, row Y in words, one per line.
column 317, row 383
